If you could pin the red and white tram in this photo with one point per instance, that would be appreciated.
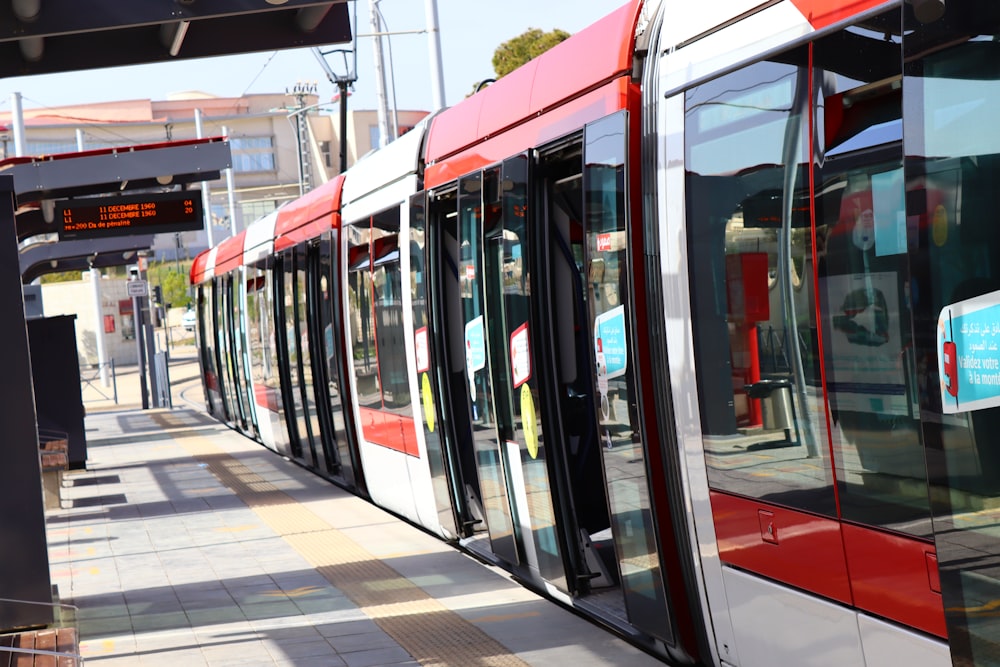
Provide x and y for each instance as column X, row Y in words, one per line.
column 691, row 323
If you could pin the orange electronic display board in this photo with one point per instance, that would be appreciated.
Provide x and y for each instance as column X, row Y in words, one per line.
column 153, row 213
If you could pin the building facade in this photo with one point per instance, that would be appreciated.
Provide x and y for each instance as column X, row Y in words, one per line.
column 282, row 146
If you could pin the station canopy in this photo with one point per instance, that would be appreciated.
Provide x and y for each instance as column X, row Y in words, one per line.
column 48, row 189
column 49, row 36
column 52, row 36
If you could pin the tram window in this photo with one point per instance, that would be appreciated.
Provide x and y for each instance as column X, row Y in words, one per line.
column 765, row 218
column 864, row 280
column 376, row 285
column 952, row 85
column 264, row 350
column 207, row 343
column 762, row 412
column 299, row 434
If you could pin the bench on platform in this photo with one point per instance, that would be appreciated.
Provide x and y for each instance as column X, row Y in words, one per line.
column 54, row 450
column 51, row 647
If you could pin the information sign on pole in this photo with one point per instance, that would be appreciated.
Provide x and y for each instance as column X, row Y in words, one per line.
column 138, row 288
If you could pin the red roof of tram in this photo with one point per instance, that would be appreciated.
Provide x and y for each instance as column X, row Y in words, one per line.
column 230, row 253
column 309, row 216
column 595, row 55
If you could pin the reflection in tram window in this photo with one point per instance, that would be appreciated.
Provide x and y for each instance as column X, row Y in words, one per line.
column 952, row 184
column 863, row 285
column 763, row 414
column 488, row 442
column 264, row 355
column 337, row 438
column 801, row 272
column 613, row 374
column 206, row 339
column 375, row 283
column 302, row 310
column 299, row 434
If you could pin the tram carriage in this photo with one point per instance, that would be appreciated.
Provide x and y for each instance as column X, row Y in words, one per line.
column 688, row 323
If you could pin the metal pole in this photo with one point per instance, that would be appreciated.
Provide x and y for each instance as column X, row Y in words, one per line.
column 206, row 196
column 150, row 334
column 380, row 94
column 434, row 47
column 95, row 282
column 81, row 143
column 298, row 149
column 343, row 125
column 177, row 252
column 140, row 349
column 17, row 118
column 229, row 190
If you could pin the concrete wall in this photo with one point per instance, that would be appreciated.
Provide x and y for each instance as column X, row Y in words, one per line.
column 77, row 298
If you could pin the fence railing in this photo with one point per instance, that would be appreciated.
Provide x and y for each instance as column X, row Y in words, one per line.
column 92, row 378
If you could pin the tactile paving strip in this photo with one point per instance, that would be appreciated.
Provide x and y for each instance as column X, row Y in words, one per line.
column 430, row 632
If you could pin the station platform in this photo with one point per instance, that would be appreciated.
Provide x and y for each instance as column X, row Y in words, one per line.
column 185, row 544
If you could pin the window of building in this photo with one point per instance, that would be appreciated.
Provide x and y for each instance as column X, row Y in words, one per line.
column 254, row 210
column 46, row 147
column 252, row 154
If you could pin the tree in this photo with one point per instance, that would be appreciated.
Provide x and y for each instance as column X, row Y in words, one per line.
column 518, row 50
column 515, row 52
column 173, row 279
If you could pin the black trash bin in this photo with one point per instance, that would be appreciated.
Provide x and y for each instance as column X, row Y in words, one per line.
column 775, row 402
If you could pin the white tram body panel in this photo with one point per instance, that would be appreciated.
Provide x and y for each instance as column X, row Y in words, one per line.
column 396, row 480
column 756, row 622
column 258, row 247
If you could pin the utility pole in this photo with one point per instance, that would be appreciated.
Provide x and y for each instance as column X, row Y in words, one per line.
column 206, row 198
column 231, row 196
column 300, row 90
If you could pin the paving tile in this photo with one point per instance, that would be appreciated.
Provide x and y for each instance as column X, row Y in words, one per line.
column 291, row 649
column 188, row 573
column 361, row 642
column 380, row 657
column 325, row 661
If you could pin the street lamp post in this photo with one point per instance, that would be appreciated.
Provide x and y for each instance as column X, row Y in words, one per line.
column 343, row 81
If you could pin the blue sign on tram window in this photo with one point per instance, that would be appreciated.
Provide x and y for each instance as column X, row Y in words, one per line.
column 611, row 340
column 968, row 335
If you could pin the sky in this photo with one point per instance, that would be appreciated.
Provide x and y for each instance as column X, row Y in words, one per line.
column 470, row 32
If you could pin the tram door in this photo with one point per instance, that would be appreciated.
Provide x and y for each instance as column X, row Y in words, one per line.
column 327, row 357
column 481, row 305
column 608, row 515
column 446, row 474
column 489, row 445
column 237, row 334
column 284, row 318
column 211, row 370
column 300, row 372
column 222, row 304
column 446, row 373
